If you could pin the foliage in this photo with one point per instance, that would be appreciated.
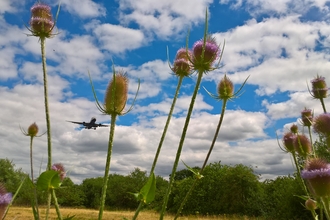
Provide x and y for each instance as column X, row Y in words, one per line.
column 280, row 199
column 223, row 190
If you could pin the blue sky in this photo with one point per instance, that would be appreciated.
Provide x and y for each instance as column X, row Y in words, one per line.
column 281, row 45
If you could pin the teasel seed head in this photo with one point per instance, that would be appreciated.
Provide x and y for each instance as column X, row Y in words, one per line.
column 41, row 21
column 33, row 130
column 225, row 88
column 116, row 94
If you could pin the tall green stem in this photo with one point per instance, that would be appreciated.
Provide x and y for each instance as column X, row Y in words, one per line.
column 206, row 159
column 57, row 207
column 107, row 165
column 178, row 154
column 44, row 70
column 32, row 179
column 161, row 139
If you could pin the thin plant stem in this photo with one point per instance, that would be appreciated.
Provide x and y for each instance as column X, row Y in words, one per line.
column 178, row 154
column 326, row 206
column 48, row 204
column 323, row 105
column 32, row 179
column 299, row 173
column 44, row 70
column 223, row 109
column 107, row 165
column 161, row 139
column 311, row 140
column 57, row 207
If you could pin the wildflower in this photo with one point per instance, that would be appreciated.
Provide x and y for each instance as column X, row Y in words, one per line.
column 302, row 145
column 306, row 117
column 41, row 21
column 225, row 88
column 317, row 175
column 310, row 204
column 294, row 129
column 33, row 130
column 182, row 65
column 116, row 94
column 58, row 167
column 204, row 54
column 319, row 87
column 288, row 141
column 5, row 199
column 322, row 124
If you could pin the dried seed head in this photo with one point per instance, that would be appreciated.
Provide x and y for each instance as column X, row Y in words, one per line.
column 322, row 124
column 225, row 88
column 288, row 141
column 116, row 94
column 319, row 87
column 33, row 130
column 202, row 61
column 302, row 145
column 317, row 175
column 58, row 167
column 307, row 117
column 41, row 21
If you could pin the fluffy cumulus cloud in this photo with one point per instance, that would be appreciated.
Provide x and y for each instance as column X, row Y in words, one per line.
column 280, row 51
column 163, row 18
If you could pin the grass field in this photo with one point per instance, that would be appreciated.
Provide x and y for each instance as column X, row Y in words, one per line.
column 25, row 213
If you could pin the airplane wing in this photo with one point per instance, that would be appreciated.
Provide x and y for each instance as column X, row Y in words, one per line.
column 101, row 125
column 75, row 122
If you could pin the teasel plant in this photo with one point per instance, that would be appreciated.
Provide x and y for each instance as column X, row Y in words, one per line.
column 204, row 54
column 32, row 132
column 181, row 68
column 114, row 105
column 226, row 93
column 42, row 25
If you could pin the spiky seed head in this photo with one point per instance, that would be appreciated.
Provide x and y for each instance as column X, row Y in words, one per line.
column 182, row 66
column 310, row 204
column 322, row 124
column 58, row 167
column 306, row 117
column 317, row 175
column 302, row 145
column 33, row 130
column 183, row 53
column 116, row 94
column 288, row 141
column 294, row 129
column 204, row 61
column 41, row 21
column 225, row 88
column 319, row 87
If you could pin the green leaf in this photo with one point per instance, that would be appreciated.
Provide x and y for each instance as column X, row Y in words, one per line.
column 148, row 191
column 49, row 179
column 196, row 173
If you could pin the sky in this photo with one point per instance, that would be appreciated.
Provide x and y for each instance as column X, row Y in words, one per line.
column 281, row 45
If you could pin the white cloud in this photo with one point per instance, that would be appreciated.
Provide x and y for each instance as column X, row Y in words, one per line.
column 83, row 8
column 164, row 18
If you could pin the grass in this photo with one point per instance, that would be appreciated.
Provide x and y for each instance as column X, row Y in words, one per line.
column 25, row 213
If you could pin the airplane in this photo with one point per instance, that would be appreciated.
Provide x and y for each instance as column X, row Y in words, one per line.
column 89, row 125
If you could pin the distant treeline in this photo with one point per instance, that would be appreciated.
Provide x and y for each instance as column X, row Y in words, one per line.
column 223, row 190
